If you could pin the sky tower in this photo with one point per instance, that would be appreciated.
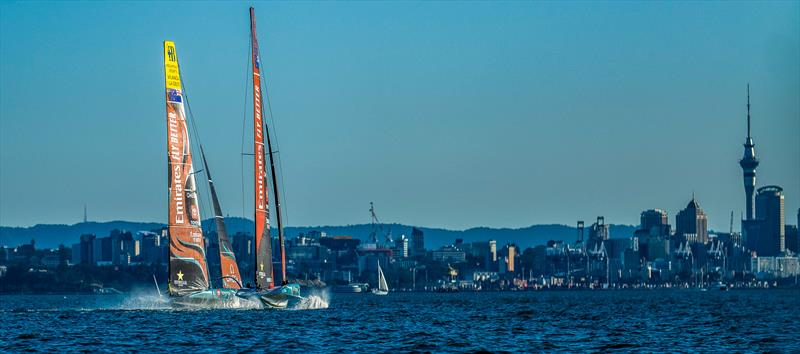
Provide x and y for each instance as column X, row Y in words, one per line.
column 749, row 162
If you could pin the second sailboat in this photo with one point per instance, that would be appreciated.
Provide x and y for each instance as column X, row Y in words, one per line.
column 265, row 289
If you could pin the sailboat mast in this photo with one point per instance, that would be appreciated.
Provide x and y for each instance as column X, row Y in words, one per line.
column 263, row 274
column 270, row 151
column 277, row 211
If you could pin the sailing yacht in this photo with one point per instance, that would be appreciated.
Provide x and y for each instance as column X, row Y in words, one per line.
column 265, row 289
column 188, row 270
column 383, row 287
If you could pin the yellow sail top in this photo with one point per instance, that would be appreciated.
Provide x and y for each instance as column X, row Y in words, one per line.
column 171, row 72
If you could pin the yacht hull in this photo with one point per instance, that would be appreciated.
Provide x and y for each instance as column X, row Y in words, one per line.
column 213, row 299
column 275, row 298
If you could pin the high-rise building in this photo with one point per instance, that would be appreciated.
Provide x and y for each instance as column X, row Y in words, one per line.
column 770, row 213
column 653, row 235
column 86, row 250
column 691, row 224
column 101, row 251
column 792, row 238
column 493, row 249
column 793, row 235
column 150, row 248
column 401, row 247
column 122, row 247
column 417, row 242
column 508, row 258
column 749, row 162
column 655, row 222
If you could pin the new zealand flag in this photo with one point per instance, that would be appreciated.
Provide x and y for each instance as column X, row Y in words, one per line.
column 174, row 95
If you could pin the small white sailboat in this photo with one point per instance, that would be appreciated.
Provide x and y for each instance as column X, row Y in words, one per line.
column 383, row 287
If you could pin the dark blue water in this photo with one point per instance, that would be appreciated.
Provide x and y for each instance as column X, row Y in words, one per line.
column 664, row 320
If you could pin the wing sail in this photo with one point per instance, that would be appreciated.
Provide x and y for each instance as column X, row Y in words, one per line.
column 264, row 276
column 188, row 270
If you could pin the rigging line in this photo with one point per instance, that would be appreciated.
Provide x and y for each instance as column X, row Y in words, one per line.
column 244, row 122
column 204, row 201
column 277, row 148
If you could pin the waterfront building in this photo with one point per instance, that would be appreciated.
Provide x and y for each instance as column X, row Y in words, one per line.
column 369, row 260
column 448, row 254
column 150, row 248
column 770, row 239
column 84, row 252
column 631, row 265
column 315, row 235
column 654, row 247
column 401, row 247
column 340, row 243
column 793, row 235
column 653, row 234
column 50, row 261
column 510, row 253
column 502, row 265
column 122, row 247
column 598, row 232
column 655, row 222
column 417, row 242
column 242, row 244
column 775, row 267
column 539, row 264
column 792, row 241
column 683, row 260
column 598, row 262
column 616, row 247
column 734, row 238
column 484, row 276
column 691, row 224
column 485, row 251
column 343, row 253
column 101, row 251
column 76, row 254
column 478, row 249
column 307, row 252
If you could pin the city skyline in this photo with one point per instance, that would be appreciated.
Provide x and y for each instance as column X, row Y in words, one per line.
column 612, row 136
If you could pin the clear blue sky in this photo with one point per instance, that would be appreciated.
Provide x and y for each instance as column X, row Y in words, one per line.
column 444, row 114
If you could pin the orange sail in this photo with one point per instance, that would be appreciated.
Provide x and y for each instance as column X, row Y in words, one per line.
column 188, row 270
column 264, row 277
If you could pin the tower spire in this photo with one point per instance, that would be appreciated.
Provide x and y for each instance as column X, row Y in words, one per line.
column 748, row 110
column 749, row 163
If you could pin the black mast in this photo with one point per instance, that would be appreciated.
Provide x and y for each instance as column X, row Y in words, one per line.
column 277, row 206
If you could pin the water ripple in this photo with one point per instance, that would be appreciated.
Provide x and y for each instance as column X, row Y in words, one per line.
column 626, row 321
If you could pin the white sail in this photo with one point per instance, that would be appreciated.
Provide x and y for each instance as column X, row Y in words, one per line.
column 382, row 280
